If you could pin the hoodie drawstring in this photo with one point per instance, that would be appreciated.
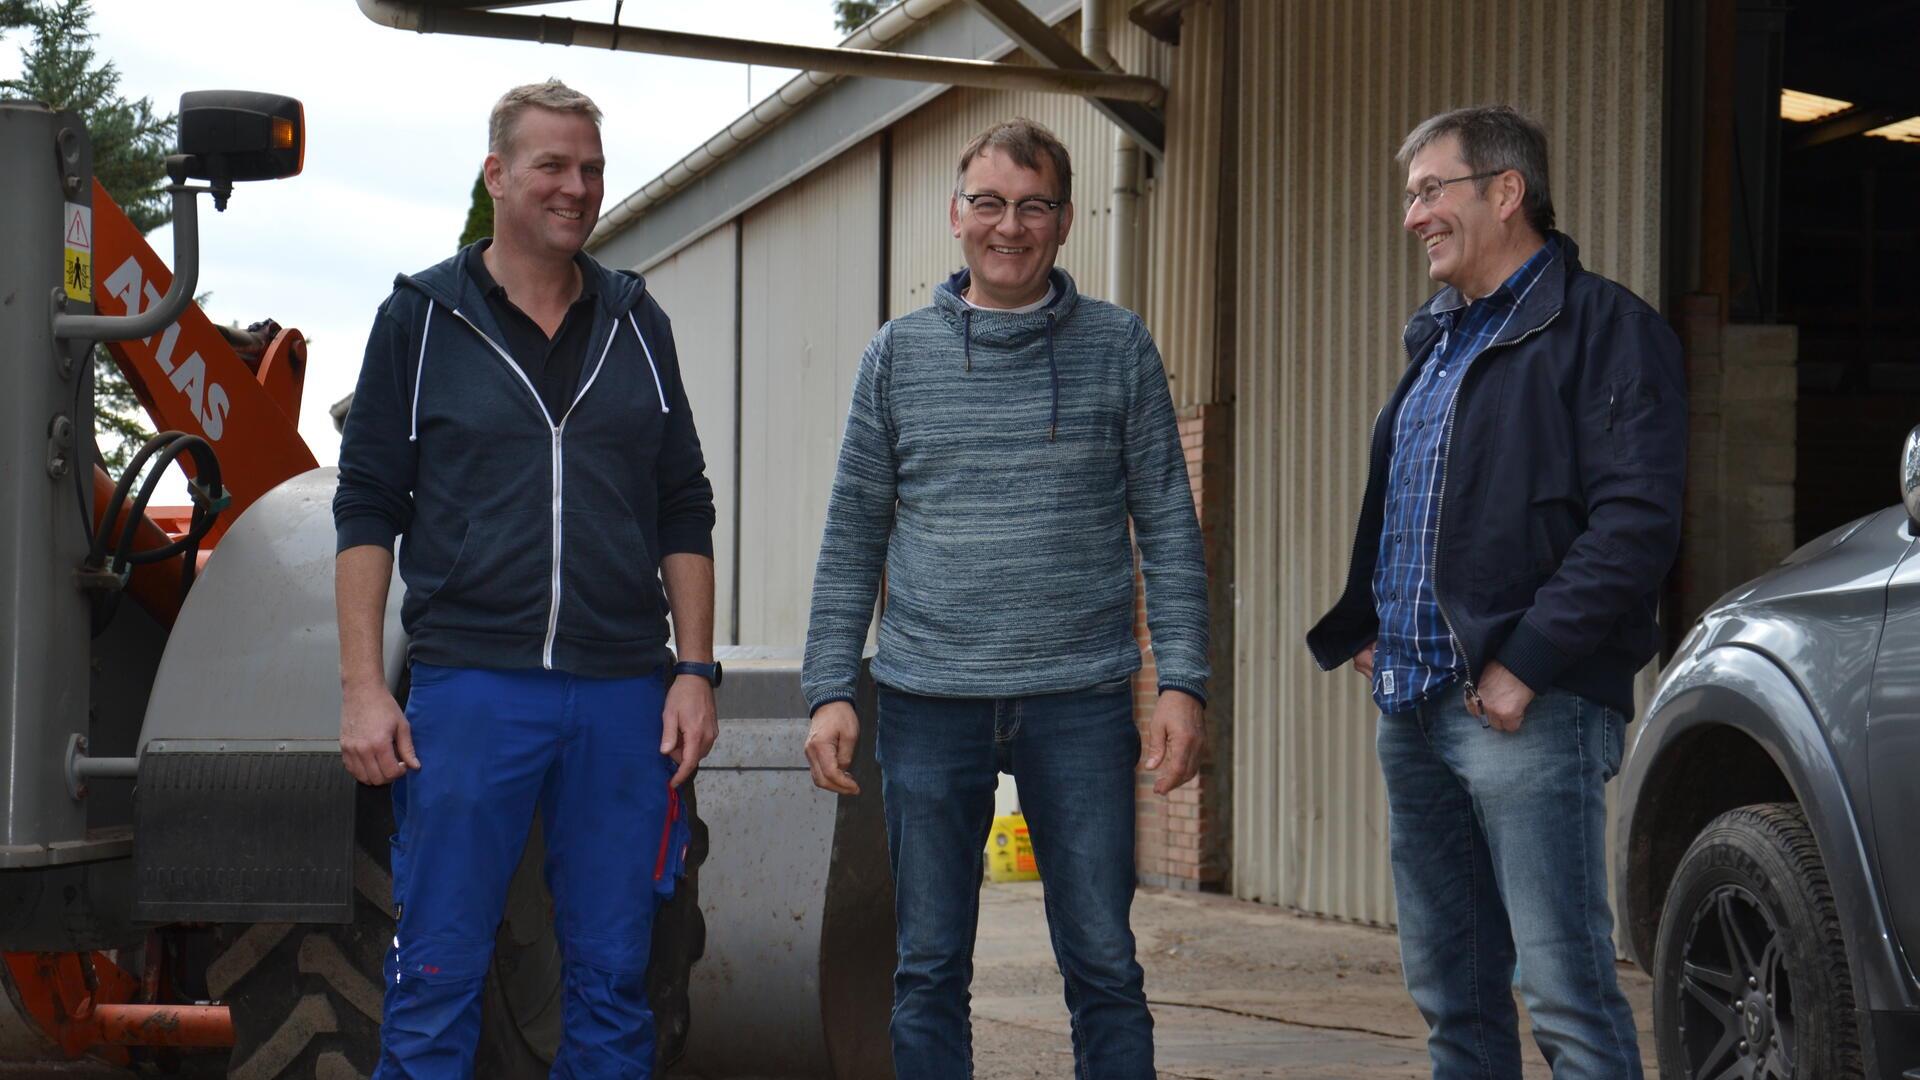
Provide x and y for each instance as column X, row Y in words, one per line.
column 1053, row 369
column 419, row 370
column 1053, row 365
column 657, row 388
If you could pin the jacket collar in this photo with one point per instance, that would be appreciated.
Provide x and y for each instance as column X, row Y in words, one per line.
column 1537, row 307
column 618, row 291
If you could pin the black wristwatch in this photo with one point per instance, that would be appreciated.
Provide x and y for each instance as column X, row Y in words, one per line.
column 709, row 672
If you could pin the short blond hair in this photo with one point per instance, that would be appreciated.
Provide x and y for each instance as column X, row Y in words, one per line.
column 552, row 95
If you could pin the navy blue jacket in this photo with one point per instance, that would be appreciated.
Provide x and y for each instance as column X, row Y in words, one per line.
column 1560, row 507
column 529, row 540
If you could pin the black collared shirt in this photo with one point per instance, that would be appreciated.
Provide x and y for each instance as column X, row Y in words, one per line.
column 552, row 363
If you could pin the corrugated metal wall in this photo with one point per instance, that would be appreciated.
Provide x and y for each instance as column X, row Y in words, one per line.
column 1325, row 279
column 810, row 301
column 696, row 288
column 1180, row 281
column 927, row 144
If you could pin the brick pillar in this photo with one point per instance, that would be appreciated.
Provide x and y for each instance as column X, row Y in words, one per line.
column 1183, row 838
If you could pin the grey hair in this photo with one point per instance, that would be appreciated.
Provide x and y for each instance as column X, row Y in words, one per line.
column 1028, row 143
column 552, row 95
column 1494, row 138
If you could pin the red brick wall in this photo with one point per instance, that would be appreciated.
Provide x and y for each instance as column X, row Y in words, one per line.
column 1182, row 837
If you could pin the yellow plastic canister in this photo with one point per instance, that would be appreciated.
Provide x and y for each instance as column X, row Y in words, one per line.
column 1010, row 850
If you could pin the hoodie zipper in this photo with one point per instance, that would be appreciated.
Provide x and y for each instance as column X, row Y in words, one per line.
column 555, row 433
column 1440, row 500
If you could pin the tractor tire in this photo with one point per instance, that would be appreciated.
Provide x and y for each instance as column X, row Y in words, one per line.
column 1750, row 969
column 306, row 999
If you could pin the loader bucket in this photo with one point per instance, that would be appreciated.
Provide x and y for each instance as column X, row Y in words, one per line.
column 796, row 980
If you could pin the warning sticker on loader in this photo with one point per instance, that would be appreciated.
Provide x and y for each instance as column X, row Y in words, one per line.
column 77, row 268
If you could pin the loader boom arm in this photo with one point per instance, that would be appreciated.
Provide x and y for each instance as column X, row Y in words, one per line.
column 190, row 379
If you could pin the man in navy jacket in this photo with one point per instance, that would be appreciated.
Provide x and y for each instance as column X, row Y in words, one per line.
column 520, row 423
column 1522, row 509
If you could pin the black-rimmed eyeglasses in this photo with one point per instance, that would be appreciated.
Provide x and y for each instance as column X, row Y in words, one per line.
column 1031, row 211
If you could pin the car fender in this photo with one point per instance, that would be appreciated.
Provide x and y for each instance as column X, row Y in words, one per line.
column 1736, row 686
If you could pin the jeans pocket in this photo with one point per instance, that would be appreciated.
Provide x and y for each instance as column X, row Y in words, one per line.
column 1616, row 739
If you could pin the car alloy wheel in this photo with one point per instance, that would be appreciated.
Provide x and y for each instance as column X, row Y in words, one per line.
column 1736, row 1007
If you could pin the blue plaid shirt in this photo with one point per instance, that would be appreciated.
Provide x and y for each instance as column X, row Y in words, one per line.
column 1416, row 656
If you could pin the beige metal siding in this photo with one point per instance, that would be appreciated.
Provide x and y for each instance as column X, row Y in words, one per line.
column 810, row 301
column 696, row 288
column 927, row 145
column 1325, row 279
column 1182, row 231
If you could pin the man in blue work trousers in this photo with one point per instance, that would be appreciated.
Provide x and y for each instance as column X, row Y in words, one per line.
column 521, row 423
column 1521, row 511
column 999, row 445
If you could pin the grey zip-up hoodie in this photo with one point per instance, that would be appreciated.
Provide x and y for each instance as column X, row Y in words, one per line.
column 531, row 540
column 991, row 462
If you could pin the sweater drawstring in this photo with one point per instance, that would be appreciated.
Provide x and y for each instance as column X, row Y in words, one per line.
column 1053, row 369
column 966, row 336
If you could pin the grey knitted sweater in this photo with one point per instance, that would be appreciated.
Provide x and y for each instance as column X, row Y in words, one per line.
column 991, row 462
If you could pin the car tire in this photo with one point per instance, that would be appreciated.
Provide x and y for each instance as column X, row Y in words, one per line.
column 1750, row 962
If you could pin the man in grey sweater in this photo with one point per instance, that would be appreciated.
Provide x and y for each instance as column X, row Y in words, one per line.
column 997, row 445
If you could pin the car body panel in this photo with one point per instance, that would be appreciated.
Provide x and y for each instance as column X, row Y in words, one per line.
column 1893, row 753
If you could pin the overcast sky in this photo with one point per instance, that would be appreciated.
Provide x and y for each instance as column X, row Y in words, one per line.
column 396, row 129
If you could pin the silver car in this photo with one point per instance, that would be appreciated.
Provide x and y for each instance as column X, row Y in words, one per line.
column 1770, row 869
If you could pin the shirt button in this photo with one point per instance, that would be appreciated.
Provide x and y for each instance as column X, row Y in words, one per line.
column 1418, row 424
column 1443, row 373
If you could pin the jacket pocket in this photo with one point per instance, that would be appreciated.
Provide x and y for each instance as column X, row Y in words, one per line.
column 1632, row 405
column 610, row 585
column 501, row 579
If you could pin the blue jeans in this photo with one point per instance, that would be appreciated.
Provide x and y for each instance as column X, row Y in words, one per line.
column 1073, row 756
column 493, row 746
column 1499, row 854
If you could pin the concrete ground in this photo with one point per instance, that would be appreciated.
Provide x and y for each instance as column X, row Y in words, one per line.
column 1238, row 990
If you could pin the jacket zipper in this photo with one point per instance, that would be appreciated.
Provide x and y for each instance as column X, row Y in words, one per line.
column 1440, row 503
column 556, row 431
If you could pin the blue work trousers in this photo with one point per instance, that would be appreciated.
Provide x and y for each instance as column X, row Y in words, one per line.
column 1073, row 756
column 1499, row 867
column 494, row 746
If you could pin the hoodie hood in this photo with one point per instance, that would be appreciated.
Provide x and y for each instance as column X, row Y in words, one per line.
column 987, row 326
column 1010, row 329
column 619, row 291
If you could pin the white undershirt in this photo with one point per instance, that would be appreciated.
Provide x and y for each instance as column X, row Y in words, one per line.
column 1035, row 306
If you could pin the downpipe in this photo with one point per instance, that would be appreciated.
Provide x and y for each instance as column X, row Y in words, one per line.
column 1096, row 16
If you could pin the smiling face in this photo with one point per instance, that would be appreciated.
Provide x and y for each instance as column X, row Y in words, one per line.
column 547, row 183
column 1011, row 257
column 1474, row 238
